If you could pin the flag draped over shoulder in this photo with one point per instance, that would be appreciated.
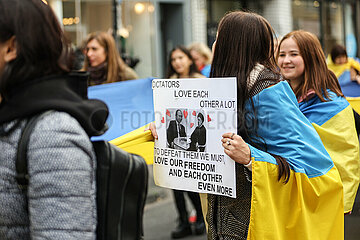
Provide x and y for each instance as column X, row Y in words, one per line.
column 131, row 109
column 334, row 122
column 310, row 206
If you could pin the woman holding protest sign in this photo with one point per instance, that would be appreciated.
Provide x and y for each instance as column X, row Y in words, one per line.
column 280, row 162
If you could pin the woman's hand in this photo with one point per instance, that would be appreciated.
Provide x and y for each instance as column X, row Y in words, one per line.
column 357, row 78
column 152, row 128
column 236, row 148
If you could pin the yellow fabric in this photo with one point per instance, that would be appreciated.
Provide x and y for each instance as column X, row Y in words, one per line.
column 339, row 138
column 355, row 103
column 288, row 211
column 139, row 141
column 204, row 207
column 339, row 69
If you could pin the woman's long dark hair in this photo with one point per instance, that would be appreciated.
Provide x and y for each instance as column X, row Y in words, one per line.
column 245, row 39
column 40, row 43
column 193, row 68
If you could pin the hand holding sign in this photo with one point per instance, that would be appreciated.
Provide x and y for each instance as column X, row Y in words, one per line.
column 190, row 134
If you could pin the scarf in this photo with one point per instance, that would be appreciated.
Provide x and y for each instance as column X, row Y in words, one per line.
column 67, row 93
column 98, row 74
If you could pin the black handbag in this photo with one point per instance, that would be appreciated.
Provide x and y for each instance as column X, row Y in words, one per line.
column 121, row 181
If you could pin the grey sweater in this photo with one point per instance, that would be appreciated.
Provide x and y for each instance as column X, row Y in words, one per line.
column 61, row 193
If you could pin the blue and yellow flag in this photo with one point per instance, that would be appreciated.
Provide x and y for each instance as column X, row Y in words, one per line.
column 334, row 122
column 310, row 206
column 131, row 108
column 348, row 87
column 339, row 69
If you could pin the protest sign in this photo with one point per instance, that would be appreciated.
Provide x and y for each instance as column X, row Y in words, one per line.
column 191, row 115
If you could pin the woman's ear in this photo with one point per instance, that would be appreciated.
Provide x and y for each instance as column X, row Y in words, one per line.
column 11, row 49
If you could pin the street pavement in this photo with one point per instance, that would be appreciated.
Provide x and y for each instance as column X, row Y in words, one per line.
column 160, row 216
column 160, row 220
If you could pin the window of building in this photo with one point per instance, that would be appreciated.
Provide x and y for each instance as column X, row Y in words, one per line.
column 218, row 8
column 332, row 24
column 306, row 16
column 81, row 17
column 332, row 21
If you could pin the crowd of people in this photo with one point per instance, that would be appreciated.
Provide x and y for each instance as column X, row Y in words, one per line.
column 105, row 65
column 304, row 162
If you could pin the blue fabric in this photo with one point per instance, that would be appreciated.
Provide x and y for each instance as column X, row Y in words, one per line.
column 351, row 89
column 130, row 105
column 206, row 70
column 288, row 132
column 321, row 114
column 344, row 78
column 348, row 87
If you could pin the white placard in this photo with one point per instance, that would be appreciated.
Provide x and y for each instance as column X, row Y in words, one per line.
column 191, row 115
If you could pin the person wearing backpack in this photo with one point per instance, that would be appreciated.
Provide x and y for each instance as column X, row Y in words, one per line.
column 59, row 200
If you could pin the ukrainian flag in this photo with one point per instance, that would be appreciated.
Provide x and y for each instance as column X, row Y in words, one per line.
column 131, row 108
column 342, row 68
column 334, row 122
column 351, row 89
column 310, row 206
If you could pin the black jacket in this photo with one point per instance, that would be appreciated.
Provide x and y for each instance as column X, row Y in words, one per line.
column 172, row 131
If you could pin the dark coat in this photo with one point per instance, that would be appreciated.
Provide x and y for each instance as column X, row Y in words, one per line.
column 172, row 131
column 199, row 137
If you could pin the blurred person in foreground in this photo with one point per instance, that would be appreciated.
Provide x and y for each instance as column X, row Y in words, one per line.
column 59, row 200
column 103, row 60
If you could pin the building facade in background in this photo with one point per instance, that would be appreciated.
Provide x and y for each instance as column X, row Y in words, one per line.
column 148, row 30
